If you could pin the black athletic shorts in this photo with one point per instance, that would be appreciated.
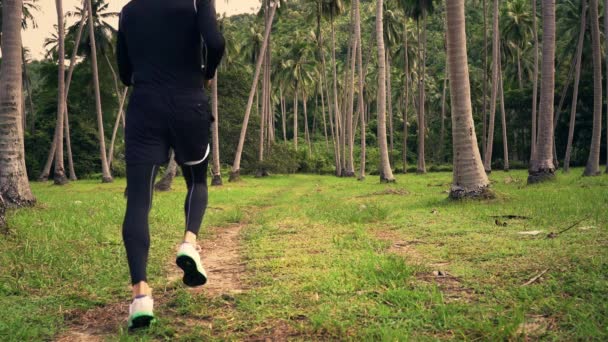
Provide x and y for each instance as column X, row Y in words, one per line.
column 162, row 118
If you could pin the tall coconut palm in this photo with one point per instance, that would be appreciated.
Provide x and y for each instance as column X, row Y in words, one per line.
column 105, row 169
column 535, row 84
column 606, row 54
column 470, row 180
column 593, row 163
column 495, row 71
column 216, row 170
column 360, row 105
column 542, row 163
column 419, row 11
column 236, row 166
column 60, row 177
column 14, row 184
column 577, row 77
column 386, row 174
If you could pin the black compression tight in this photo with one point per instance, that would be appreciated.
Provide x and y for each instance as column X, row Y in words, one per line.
column 135, row 229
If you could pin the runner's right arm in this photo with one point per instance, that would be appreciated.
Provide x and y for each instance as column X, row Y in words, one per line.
column 214, row 40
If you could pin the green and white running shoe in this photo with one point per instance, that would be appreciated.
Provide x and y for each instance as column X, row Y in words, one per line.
column 141, row 312
column 189, row 260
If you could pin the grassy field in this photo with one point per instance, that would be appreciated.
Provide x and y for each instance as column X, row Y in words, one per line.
column 325, row 259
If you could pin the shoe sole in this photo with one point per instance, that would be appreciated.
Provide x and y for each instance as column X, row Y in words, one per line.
column 141, row 322
column 192, row 277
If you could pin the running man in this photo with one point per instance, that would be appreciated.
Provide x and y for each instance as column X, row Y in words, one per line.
column 160, row 53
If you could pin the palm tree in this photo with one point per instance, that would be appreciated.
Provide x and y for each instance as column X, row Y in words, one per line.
column 14, row 185
column 386, row 174
column 542, row 167
column 535, row 84
column 577, row 77
column 216, row 170
column 419, row 11
column 470, row 180
column 104, row 32
column 593, row 163
column 606, row 53
column 105, row 169
column 516, row 27
column 60, row 178
column 360, row 104
column 236, row 166
column 495, row 71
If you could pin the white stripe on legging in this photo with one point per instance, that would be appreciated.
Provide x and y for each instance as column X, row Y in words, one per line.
column 151, row 187
column 190, row 197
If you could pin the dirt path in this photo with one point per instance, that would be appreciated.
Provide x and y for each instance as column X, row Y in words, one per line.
column 221, row 256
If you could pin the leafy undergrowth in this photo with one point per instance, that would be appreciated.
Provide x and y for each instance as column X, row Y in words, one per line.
column 325, row 258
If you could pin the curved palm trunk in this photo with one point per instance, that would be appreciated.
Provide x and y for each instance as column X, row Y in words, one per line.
column 386, row 174
column 216, row 170
column 119, row 115
column 542, row 165
column 535, row 86
column 593, row 163
column 236, row 166
column 164, row 184
column 470, row 180
column 60, row 177
column 14, row 184
column 577, row 77
column 495, row 57
column 105, row 169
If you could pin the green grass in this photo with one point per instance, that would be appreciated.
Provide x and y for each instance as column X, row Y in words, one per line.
column 319, row 265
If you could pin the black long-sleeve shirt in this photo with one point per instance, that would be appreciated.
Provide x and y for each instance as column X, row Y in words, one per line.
column 159, row 43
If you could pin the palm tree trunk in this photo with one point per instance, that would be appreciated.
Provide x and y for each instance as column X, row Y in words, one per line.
column 105, row 169
column 216, row 169
column 535, row 86
column 14, row 184
column 350, row 165
column 386, row 174
column 120, row 113
column 593, row 163
column 306, row 131
column 561, row 105
column 336, row 109
column 295, row 117
column 505, row 142
column 485, row 78
column 542, row 165
column 389, row 103
column 421, row 103
column 606, row 53
column 236, row 166
column 60, row 177
column 577, row 76
column 470, row 180
column 360, row 105
column 323, row 111
column 495, row 57
column 441, row 153
column 164, row 184
column 406, row 96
